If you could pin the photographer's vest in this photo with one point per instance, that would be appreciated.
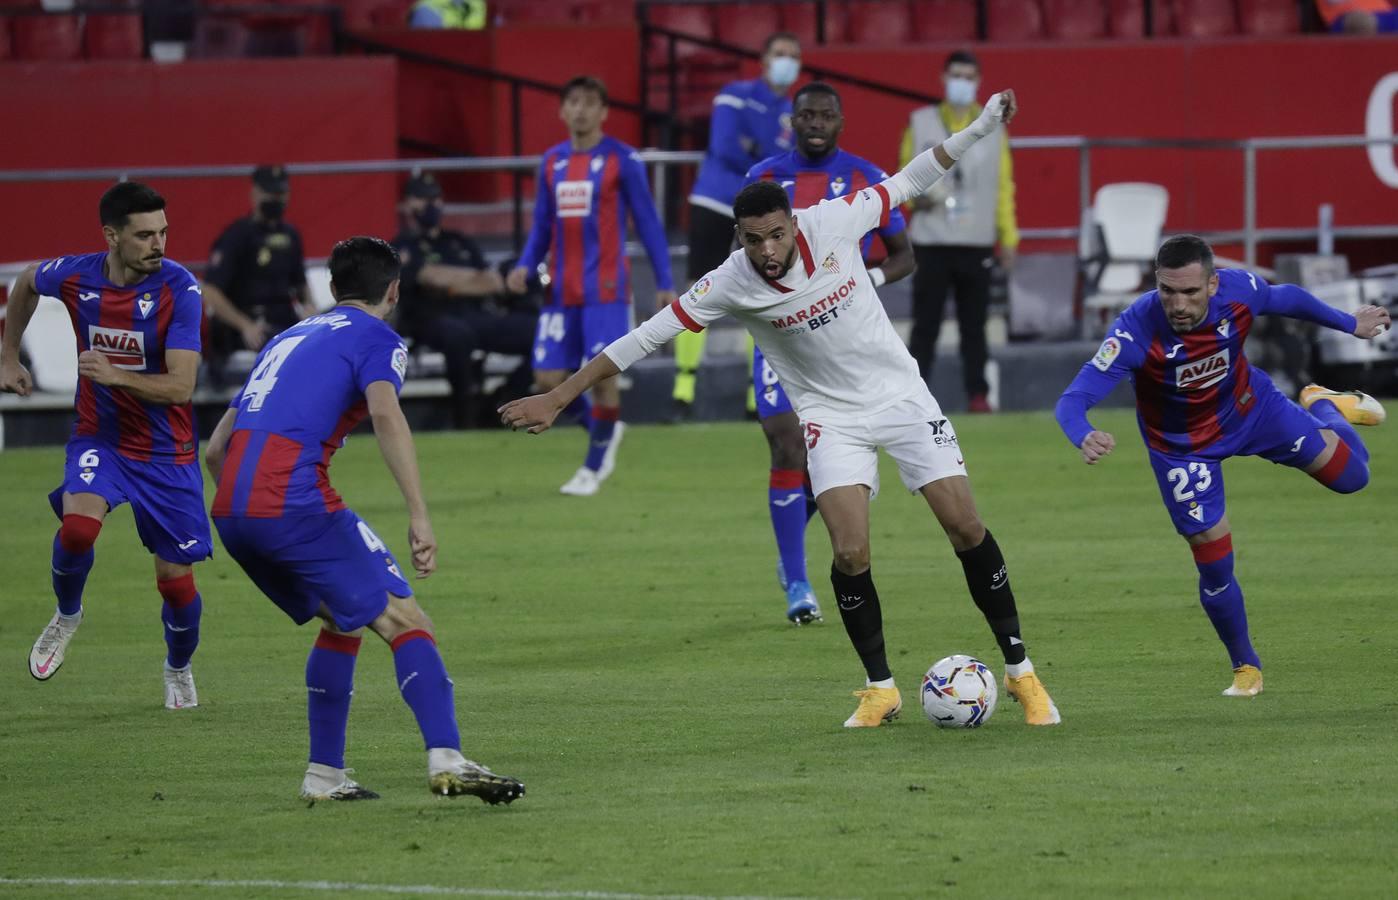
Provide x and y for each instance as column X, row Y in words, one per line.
column 967, row 216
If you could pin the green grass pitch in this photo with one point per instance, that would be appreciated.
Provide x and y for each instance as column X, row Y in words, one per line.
column 628, row 658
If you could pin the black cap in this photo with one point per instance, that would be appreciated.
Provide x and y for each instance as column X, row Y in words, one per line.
column 272, row 179
column 424, row 185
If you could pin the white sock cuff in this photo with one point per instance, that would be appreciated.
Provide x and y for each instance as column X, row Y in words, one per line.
column 1019, row 670
column 886, row 683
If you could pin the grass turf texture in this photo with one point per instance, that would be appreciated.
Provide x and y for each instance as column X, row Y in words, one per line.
column 627, row 657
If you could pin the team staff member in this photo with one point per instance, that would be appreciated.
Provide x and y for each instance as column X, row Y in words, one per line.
column 751, row 122
column 447, row 293
column 955, row 226
column 255, row 285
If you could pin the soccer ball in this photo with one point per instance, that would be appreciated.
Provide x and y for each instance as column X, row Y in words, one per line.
column 959, row 692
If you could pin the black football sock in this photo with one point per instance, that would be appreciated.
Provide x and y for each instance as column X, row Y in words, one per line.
column 859, row 609
column 989, row 582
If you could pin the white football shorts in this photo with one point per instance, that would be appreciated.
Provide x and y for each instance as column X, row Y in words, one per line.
column 923, row 445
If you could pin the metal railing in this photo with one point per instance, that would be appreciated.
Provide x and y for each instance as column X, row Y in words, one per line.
column 662, row 162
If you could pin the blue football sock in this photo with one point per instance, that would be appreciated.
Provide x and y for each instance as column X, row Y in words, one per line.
column 579, row 411
column 604, row 419
column 1222, row 599
column 786, row 501
column 1329, row 413
column 69, row 576
column 423, row 682
column 329, row 687
column 181, row 613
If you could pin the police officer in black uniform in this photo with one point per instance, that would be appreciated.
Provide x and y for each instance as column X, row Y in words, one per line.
column 451, row 300
column 255, row 285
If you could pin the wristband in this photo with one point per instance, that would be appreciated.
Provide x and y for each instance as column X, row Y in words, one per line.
column 877, row 276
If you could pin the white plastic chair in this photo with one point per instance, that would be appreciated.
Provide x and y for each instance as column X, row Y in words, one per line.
column 1119, row 242
column 52, row 348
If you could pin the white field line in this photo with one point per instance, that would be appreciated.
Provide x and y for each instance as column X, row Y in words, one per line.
column 428, row 890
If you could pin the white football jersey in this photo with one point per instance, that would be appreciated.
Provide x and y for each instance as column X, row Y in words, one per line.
column 820, row 326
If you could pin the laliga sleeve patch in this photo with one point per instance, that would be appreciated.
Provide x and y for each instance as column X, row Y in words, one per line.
column 1107, row 354
column 400, row 361
column 701, row 287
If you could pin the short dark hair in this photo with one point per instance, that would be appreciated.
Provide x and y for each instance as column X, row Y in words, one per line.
column 759, row 199
column 127, row 197
column 362, row 268
column 1184, row 249
column 961, row 56
column 819, row 88
column 780, row 36
column 584, row 83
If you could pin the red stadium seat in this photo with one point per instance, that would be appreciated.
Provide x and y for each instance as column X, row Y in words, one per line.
column 1269, row 17
column 50, row 38
column 1127, row 18
column 4, row 39
column 952, row 21
column 748, row 24
column 695, row 20
column 1014, row 20
column 530, row 12
column 605, row 12
column 1206, row 18
column 391, row 13
column 879, row 22
column 113, row 37
column 800, row 20
column 357, row 13
column 1076, row 20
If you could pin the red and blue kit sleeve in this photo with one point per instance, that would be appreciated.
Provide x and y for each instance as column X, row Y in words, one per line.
column 382, row 357
column 49, row 277
column 1286, row 300
column 1120, row 354
column 652, row 233
column 188, row 314
column 541, row 232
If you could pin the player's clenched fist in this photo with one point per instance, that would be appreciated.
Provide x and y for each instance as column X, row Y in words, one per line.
column 95, row 365
column 999, row 110
column 424, row 546
column 1371, row 321
column 15, row 378
column 534, row 414
column 1096, row 445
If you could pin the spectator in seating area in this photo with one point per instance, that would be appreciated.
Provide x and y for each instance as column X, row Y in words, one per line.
column 255, row 284
column 465, row 14
column 1359, row 16
column 751, row 122
column 955, row 226
column 452, row 301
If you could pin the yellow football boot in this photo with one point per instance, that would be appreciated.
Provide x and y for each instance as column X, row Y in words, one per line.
column 1247, row 682
column 876, row 706
column 1028, row 691
column 1357, row 407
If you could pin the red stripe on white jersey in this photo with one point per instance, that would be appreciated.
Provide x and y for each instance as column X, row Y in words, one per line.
column 807, row 261
column 685, row 318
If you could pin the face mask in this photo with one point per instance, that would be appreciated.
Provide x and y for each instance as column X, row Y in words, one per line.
column 782, row 71
column 429, row 218
column 272, row 209
column 961, row 91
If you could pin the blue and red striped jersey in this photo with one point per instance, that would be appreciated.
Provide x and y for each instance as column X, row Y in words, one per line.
column 838, row 174
column 580, row 222
column 133, row 325
column 1194, row 391
column 304, row 395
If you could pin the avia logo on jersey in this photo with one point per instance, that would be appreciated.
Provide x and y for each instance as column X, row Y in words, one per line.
column 124, row 349
column 573, row 199
column 1203, row 373
column 822, row 312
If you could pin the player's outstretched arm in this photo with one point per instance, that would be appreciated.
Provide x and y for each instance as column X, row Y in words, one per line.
column 535, row 414
column 396, row 444
column 14, row 377
column 928, row 167
column 172, row 387
column 216, row 450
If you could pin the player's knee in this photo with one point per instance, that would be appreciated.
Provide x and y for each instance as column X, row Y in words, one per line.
column 1344, row 473
column 402, row 616
column 78, row 533
column 788, row 450
column 179, row 591
column 852, row 557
